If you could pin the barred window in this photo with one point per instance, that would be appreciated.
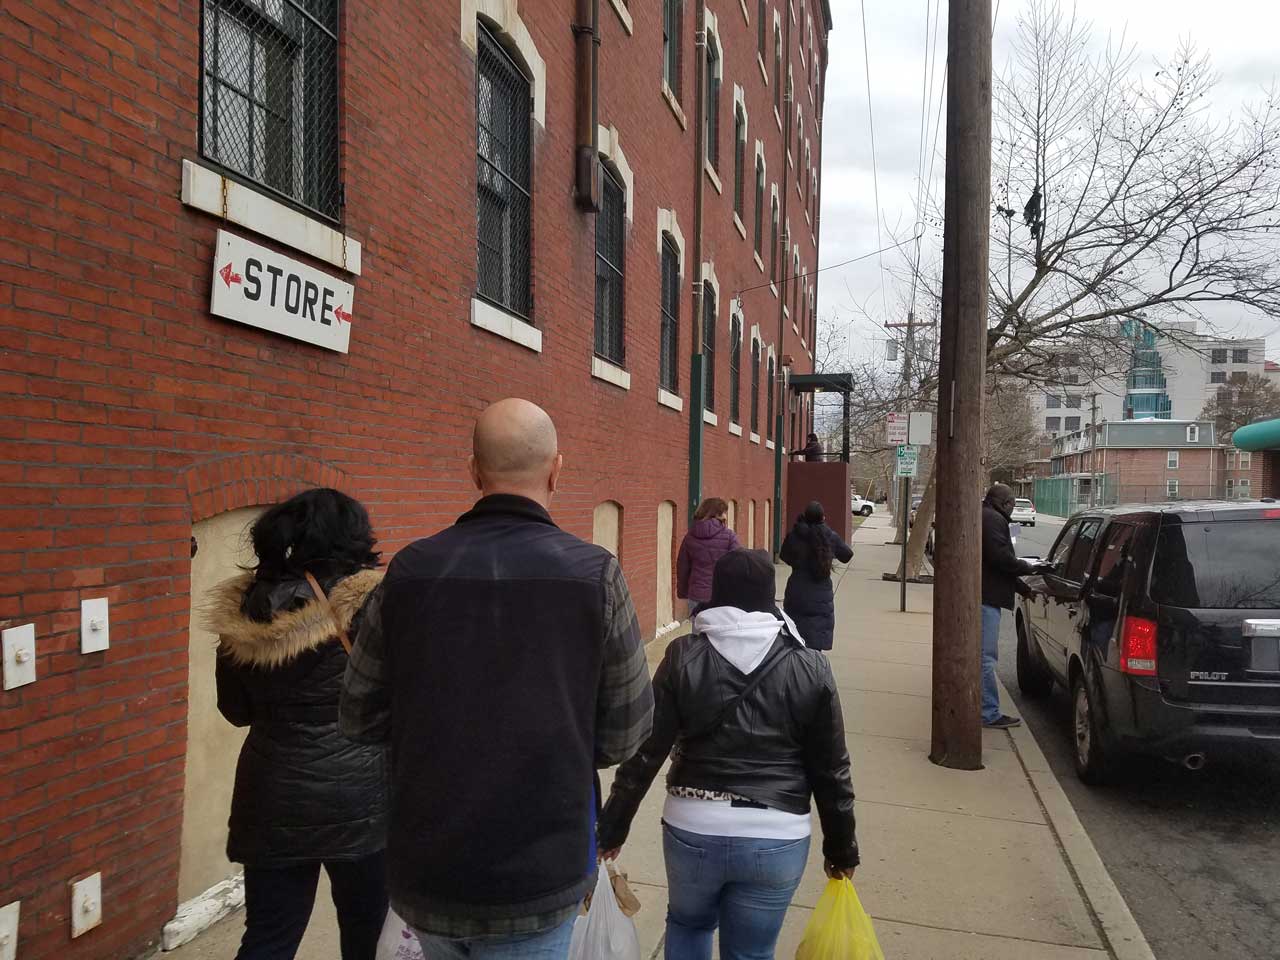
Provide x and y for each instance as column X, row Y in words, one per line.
column 1240, row 356
column 712, row 128
column 777, row 69
column 735, row 369
column 795, row 286
column 773, row 241
column 759, row 231
column 755, row 387
column 739, row 161
column 269, row 98
column 709, row 343
column 610, row 265
column 670, row 332
column 769, row 391
column 503, row 202
column 671, row 10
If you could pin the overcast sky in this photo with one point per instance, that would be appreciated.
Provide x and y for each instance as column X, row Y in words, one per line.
column 1240, row 35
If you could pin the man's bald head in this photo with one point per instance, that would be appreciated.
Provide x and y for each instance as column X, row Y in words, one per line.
column 515, row 450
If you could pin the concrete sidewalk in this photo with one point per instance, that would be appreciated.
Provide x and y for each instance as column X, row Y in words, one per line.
column 956, row 865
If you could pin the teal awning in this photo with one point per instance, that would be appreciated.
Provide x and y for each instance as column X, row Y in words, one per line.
column 1264, row 435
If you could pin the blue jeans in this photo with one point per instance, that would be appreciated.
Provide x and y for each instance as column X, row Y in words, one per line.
column 743, row 886
column 990, row 654
column 550, row 944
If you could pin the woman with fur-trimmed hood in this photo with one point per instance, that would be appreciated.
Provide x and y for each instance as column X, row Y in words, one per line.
column 304, row 795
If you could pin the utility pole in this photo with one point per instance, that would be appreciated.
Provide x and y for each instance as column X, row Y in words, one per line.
column 957, row 628
column 1094, row 498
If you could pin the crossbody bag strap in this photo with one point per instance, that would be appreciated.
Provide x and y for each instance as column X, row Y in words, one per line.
column 730, row 708
column 327, row 607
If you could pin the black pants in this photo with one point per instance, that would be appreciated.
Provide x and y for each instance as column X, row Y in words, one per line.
column 278, row 902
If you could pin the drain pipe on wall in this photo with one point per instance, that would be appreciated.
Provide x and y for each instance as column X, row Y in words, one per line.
column 781, row 372
column 697, row 362
column 586, row 42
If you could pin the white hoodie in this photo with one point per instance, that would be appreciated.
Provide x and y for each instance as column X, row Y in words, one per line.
column 744, row 639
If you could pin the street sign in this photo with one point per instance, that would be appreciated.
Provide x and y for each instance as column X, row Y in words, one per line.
column 897, row 426
column 908, row 460
column 253, row 284
column 920, row 431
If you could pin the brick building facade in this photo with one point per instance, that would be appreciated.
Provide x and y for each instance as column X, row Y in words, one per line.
column 136, row 422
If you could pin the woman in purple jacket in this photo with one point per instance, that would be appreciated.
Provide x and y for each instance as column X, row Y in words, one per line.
column 707, row 541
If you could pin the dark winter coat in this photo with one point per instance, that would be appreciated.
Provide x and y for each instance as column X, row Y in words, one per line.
column 706, row 542
column 303, row 791
column 1001, row 567
column 782, row 744
column 810, row 600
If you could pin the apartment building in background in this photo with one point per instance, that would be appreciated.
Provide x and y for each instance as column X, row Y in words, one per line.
column 250, row 246
column 1167, row 376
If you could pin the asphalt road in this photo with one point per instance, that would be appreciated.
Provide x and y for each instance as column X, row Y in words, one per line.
column 1196, row 855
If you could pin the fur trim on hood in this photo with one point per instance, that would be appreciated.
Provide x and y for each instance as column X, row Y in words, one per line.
column 290, row 633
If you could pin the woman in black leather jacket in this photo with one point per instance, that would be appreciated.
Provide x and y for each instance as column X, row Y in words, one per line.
column 754, row 719
column 304, row 795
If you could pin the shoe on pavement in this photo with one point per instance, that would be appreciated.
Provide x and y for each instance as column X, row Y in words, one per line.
column 1003, row 722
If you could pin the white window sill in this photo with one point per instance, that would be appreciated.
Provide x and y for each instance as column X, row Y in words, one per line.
column 769, row 444
column 202, row 189
column 711, row 418
column 610, row 373
column 739, row 226
column 506, row 325
column 624, row 15
column 759, row 262
column 777, row 117
column 794, row 328
column 674, row 104
column 668, row 399
column 735, row 429
column 790, row 163
column 713, row 176
column 786, row 315
column 755, row 438
column 764, row 71
column 745, row 15
column 773, row 288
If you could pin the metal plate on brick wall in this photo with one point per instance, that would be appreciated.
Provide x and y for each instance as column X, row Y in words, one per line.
column 255, row 285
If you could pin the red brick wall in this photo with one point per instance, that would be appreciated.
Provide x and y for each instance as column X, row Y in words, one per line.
column 1141, row 475
column 129, row 412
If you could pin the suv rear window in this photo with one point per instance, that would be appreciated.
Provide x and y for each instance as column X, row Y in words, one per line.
column 1217, row 565
column 1021, row 503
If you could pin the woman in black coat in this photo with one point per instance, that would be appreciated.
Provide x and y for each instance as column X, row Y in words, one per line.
column 809, row 601
column 304, row 795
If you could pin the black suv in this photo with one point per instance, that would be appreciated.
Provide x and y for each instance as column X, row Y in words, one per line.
column 1163, row 621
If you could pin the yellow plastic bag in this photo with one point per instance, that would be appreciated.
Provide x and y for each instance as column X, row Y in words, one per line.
column 839, row 928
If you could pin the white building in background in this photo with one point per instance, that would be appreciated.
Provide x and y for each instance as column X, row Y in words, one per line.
column 1168, row 379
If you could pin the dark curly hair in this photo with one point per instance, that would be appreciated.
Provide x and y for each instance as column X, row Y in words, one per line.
column 811, row 525
column 321, row 531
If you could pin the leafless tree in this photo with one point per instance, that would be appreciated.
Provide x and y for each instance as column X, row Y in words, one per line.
column 1120, row 204
column 1247, row 400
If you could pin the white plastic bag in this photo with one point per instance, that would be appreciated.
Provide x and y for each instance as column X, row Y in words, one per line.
column 397, row 942
column 605, row 933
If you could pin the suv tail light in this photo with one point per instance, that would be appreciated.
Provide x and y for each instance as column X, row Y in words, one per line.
column 1138, row 647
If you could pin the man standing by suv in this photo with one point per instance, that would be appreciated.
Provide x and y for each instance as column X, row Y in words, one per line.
column 1000, row 571
column 502, row 660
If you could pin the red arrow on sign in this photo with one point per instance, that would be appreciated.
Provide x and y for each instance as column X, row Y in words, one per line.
column 342, row 315
column 229, row 277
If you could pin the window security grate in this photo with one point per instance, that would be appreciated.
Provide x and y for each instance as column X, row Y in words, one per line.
column 610, row 224
column 269, row 96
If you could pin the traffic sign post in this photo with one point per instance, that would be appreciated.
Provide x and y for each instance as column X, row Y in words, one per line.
column 908, row 461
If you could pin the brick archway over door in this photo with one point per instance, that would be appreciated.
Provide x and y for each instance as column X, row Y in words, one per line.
column 254, row 479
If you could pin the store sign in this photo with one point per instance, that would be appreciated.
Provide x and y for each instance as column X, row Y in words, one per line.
column 255, row 285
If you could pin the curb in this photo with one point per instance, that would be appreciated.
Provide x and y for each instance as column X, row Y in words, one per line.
column 1124, row 938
